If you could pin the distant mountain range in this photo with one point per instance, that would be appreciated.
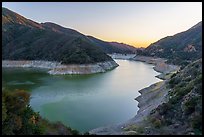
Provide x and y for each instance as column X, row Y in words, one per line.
column 113, row 47
column 180, row 48
column 24, row 39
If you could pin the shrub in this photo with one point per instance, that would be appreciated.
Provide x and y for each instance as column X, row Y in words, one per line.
column 164, row 108
column 173, row 82
column 190, row 105
column 18, row 118
column 197, row 122
column 157, row 123
column 174, row 100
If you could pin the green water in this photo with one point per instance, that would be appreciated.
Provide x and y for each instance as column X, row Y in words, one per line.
column 84, row 102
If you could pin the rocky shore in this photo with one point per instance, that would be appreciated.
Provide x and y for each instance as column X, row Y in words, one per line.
column 58, row 68
column 160, row 65
column 151, row 97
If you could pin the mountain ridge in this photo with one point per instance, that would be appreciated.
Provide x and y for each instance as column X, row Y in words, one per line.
column 24, row 39
column 113, row 47
column 179, row 49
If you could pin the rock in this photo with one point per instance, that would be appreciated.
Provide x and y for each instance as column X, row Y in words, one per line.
column 130, row 133
column 58, row 68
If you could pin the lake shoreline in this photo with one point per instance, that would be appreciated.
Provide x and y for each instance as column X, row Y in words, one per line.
column 151, row 97
column 56, row 68
column 160, row 65
column 103, row 85
column 144, row 108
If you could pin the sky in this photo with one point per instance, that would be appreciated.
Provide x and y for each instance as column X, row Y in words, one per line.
column 136, row 23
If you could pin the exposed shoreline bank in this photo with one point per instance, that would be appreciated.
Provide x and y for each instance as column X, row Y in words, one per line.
column 160, row 65
column 58, row 68
column 151, row 96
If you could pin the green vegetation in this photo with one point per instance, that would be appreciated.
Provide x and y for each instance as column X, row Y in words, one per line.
column 180, row 49
column 182, row 113
column 185, row 105
column 17, row 115
column 156, row 122
column 23, row 39
column 18, row 118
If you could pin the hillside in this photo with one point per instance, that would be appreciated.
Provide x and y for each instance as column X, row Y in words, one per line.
column 181, row 48
column 24, row 39
column 182, row 112
column 125, row 47
column 113, row 47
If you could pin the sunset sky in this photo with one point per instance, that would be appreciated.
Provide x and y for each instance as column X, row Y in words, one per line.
column 135, row 23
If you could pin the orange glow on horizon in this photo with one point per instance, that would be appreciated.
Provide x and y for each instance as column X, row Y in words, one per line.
column 134, row 23
column 142, row 43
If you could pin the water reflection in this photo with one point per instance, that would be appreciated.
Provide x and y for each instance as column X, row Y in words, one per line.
column 86, row 101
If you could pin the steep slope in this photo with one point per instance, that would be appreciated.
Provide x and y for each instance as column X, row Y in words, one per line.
column 181, row 111
column 180, row 48
column 23, row 39
column 113, row 47
column 182, row 114
column 10, row 17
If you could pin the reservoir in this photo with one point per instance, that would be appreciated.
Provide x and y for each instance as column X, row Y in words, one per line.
column 84, row 102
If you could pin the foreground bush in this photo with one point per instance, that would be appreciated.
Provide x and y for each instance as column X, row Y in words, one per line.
column 18, row 118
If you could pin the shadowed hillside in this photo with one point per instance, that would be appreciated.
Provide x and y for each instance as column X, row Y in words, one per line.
column 180, row 48
column 113, row 47
column 23, row 39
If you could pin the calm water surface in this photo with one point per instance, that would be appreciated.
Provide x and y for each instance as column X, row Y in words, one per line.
column 84, row 102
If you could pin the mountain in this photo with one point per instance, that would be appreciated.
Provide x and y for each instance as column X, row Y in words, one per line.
column 179, row 112
column 180, row 48
column 113, row 47
column 182, row 114
column 124, row 47
column 24, row 39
